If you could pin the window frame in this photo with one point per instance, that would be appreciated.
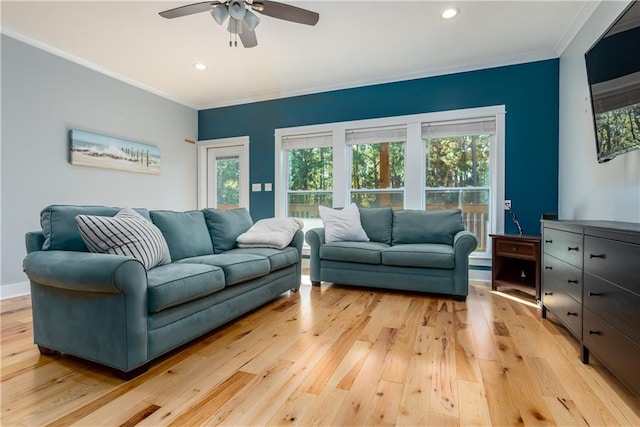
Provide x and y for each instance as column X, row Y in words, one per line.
column 414, row 194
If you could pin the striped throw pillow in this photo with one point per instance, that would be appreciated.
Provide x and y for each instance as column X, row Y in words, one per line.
column 127, row 233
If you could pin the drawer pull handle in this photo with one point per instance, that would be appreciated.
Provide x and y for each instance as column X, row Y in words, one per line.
column 514, row 249
column 594, row 294
column 548, row 241
column 572, row 281
column 571, row 313
column 548, row 267
column 595, row 332
column 548, row 293
column 603, row 256
column 575, row 248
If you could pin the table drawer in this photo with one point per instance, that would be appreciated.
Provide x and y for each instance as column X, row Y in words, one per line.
column 614, row 261
column 513, row 249
column 614, row 349
column 618, row 306
column 565, row 308
column 563, row 245
column 564, row 276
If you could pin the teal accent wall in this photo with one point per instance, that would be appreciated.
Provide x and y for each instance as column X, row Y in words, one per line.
column 528, row 91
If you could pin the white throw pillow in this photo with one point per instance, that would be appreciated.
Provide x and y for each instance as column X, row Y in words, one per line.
column 127, row 233
column 270, row 233
column 342, row 225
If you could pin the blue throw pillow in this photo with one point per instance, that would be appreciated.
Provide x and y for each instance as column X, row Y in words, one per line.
column 186, row 233
column 225, row 226
column 414, row 226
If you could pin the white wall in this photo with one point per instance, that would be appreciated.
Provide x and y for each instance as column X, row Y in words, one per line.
column 588, row 189
column 43, row 96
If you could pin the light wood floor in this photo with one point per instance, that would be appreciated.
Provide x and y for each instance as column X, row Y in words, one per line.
column 331, row 355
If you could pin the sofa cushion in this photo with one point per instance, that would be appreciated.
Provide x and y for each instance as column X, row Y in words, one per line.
column 377, row 223
column 360, row 252
column 176, row 283
column 425, row 255
column 225, row 227
column 278, row 258
column 128, row 234
column 186, row 233
column 415, row 226
column 237, row 267
column 342, row 224
column 59, row 225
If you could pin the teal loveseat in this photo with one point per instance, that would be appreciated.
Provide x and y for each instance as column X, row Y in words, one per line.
column 109, row 309
column 424, row 251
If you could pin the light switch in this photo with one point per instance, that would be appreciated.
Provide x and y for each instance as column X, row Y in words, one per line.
column 267, row 186
column 256, row 187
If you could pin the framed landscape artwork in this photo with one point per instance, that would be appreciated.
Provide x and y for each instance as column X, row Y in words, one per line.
column 100, row 151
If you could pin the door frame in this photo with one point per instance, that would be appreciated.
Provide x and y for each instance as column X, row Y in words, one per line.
column 239, row 142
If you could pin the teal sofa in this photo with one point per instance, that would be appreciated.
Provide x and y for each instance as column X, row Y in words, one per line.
column 424, row 251
column 109, row 309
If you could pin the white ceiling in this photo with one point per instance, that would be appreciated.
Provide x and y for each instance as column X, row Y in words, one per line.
column 355, row 43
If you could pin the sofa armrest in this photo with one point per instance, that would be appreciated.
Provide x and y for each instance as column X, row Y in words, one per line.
column 297, row 242
column 86, row 272
column 93, row 306
column 315, row 239
column 465, row 242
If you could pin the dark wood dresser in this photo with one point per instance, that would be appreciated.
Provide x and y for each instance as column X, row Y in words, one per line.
column 591, row 283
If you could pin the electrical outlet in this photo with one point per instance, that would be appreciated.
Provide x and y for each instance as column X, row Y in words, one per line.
column 507, row 205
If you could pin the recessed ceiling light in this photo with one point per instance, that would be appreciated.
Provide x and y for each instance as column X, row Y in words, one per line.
column 199, row 66
column 450, row 13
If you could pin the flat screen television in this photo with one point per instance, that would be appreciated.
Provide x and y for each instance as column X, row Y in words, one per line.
column 613, row 72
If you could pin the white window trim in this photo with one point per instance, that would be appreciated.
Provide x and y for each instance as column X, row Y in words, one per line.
column 241, row 143
column 414, row 165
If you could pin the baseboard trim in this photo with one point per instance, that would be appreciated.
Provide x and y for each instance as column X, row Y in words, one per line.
column 13, row 290
column 480, row 275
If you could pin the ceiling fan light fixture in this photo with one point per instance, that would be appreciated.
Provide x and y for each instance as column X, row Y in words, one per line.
column 251, row 20
column 234, row 26
column 237, row 9
column 219, row 13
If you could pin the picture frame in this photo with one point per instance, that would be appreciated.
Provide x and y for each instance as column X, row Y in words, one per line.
column 107, row 152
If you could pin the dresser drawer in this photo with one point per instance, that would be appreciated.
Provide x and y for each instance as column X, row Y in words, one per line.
column 564, row 276
column 613, row 348
column 618, row 306
column 614, row 261
column 563, row 245
column 515, row 249
column 565, row 308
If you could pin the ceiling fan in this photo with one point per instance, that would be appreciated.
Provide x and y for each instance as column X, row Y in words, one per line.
column 242, row 22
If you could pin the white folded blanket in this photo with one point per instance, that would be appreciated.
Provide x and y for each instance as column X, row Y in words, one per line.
column 270, row 233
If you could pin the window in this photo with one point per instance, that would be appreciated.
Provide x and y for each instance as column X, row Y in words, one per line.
column 457, row 171
column 377, row 166
column 309, row 160
column 443, row 160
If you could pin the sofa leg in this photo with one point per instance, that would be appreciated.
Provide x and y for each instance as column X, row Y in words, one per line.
column 129, row 375
column 315, row 283
column 46, row 351
column 461, row 298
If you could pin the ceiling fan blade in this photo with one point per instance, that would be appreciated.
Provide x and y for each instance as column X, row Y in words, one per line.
column 189, row 9
column 248, row 37
column 285, row 11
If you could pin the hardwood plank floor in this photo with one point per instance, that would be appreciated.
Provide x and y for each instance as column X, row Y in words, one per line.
column 332, row 355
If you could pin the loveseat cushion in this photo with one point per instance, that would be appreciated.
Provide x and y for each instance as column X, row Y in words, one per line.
column 186, row 233
column 425, row 255
column 377, row 223
column 416, row 226
column 360, row 252
column 60, row 229
column 278, row 258
column 225, row 226
column 176, row 283
column 237, row 267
